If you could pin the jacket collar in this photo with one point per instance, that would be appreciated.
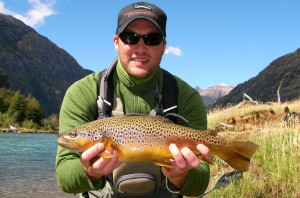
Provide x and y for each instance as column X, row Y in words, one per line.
column 136, row 84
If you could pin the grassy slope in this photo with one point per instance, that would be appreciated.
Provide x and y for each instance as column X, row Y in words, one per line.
column 275, row 167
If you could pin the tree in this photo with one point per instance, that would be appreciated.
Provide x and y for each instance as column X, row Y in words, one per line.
column 5, row 99
column 17, row 107
column 34, row 111
column 51, row 122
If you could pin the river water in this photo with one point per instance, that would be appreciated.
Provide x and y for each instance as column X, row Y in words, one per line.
column 27, row 166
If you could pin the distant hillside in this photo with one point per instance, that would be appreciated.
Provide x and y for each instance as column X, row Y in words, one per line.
column 211, row 94
column 3, row 80
column 263, row 87
column 35, row 65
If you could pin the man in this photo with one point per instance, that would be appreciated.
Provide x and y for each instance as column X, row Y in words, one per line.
column 140, row 42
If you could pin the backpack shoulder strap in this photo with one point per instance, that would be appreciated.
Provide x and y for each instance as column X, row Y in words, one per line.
column 166, row 100
column 106, row 91
column 170, row 93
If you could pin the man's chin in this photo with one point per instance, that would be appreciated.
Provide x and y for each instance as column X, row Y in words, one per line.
column 139, row 73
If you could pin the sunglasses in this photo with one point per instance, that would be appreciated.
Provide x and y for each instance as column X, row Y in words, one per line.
column 133, row 38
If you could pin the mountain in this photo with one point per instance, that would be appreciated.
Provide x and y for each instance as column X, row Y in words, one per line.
column 34, row 65
column 285, row 71
column 211, row 94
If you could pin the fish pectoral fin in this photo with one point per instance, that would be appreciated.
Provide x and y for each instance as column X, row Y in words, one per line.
column 106, row 154
column 163, row 163
column 108, row 143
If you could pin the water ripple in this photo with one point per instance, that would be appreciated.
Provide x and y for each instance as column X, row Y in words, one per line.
column 27, row 166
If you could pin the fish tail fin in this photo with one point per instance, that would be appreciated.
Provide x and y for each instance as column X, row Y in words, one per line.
column 238, row 155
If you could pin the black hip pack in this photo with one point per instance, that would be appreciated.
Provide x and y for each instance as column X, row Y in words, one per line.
column 137, row 180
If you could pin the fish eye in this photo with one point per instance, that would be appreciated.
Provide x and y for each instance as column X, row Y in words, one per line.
column 73, row 134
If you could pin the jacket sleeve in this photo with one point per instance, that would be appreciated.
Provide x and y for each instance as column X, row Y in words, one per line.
column 78, row 107
column 192, row 108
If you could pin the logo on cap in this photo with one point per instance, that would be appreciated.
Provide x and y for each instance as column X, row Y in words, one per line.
column 142, row 6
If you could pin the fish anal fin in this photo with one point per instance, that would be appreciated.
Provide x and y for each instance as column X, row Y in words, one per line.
column 202, row 158
column 163, row 163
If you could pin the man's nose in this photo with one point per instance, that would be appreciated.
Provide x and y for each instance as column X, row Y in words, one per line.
column 141, row 46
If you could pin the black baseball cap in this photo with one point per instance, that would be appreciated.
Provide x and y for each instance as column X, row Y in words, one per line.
column 142, row 10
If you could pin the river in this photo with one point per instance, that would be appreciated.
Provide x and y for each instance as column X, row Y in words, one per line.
column 27, row 166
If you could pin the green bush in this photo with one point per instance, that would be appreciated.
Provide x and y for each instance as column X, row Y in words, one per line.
column 21, row 111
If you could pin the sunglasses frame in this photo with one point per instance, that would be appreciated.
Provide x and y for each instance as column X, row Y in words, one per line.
column 133, row 38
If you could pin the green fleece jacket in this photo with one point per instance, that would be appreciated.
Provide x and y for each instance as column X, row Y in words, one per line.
column 137, row 96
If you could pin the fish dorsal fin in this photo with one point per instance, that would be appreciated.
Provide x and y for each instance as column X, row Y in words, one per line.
column 212, row 132
column 153, row 117
column 160, row 118
column 136, row 114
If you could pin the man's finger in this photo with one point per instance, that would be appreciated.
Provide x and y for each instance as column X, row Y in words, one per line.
column 204, row 151
column 177, row 155
column 107, row 165
column 92, row 152
column 190, row 157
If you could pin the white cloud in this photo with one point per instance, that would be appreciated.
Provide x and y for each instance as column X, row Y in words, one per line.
column 223, row 84
column 174, row 50
column 3, row 9
column 36, row 15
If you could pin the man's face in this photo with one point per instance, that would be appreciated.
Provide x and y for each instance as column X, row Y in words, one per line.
column 140, row 60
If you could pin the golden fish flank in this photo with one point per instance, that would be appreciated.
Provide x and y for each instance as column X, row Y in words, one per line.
column 147, row 138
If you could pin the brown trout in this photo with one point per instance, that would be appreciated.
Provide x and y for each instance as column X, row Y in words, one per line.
column 147, row 138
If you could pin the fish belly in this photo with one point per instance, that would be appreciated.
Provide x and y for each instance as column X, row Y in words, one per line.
column 143, row 154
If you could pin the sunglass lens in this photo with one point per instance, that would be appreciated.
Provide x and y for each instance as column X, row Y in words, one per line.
column 153, row 39
column 129, row 38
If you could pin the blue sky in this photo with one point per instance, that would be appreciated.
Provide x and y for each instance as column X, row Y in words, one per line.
column 210, row 42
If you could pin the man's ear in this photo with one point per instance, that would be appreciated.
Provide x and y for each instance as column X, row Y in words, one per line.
column 116, row 43
column 164, row 46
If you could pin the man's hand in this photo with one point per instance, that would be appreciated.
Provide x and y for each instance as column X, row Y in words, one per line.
column 96, row 168
column 184, row 160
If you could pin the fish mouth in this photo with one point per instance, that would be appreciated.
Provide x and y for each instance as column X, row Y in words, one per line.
column 67, row 143
column 61, row 141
